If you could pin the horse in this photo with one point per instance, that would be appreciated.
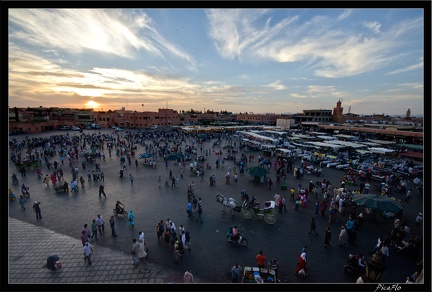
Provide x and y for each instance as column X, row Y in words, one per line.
column 229, row 203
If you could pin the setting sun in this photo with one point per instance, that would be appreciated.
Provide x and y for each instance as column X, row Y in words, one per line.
column 92, row 104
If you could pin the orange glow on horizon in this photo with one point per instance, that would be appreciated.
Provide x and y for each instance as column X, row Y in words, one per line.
column 92, row 104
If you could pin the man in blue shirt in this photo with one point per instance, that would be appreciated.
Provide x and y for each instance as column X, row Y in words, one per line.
column 189, row 209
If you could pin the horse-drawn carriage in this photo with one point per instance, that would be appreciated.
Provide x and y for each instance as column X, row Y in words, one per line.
column 250, row 208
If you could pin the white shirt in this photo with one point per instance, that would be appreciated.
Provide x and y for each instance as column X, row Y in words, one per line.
column 99, row 221
column 87, row 249
column 183, row 239
column 142, row 236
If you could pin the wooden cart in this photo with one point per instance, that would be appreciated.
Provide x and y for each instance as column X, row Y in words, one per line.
column 267, row 275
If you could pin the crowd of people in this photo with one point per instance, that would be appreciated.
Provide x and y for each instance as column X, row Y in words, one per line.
column 64, row 153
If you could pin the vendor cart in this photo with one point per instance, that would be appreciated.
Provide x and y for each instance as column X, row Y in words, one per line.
column 258, row 275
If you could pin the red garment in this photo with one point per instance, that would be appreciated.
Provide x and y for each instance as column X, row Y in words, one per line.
column 260, row 259
column 301, row 264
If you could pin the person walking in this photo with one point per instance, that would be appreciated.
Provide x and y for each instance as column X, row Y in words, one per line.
column 82, row 181
column 408, row 195
column 260, row 259
column 159, row 181
column 280, row 204
column 317, row 208
column 366, row 187
column 284, row 202
column 37, row 209
column 112, row 225
column 100, row 224
column 189, row 209
column 199, row 213
column 93, row 227
column 343, row 236
column 131, row 219
column 292, row 192
column 276, row 199
column 273, row 265
column 22, row 202
column 301, row 265
column 86, row 230
column 160, row 229
column 83, row 237
column 327, row 238
column 297, row 203
column 131, row 179
column 418, row 219
column 188, row 277
column 87, row 250
column 313, row 226
column 134, row 252
column 236, row 273
column 101, row 190
column 141, row 249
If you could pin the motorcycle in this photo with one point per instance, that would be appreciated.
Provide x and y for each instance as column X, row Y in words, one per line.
column 238, row 240
column 118, row 210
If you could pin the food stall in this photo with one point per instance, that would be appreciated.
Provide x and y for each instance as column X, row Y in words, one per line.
column 258, row 275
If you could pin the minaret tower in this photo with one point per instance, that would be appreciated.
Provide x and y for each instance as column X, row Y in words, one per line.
column 408, row 114
column 337, row 112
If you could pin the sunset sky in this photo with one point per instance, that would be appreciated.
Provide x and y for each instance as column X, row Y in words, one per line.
column 255, row 60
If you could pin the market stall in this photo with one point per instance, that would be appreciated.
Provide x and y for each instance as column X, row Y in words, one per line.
column 258, row 275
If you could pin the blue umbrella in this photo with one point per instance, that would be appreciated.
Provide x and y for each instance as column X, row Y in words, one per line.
column 146, row 155
column 256, row 171
column 377, row 202
column 174, row 156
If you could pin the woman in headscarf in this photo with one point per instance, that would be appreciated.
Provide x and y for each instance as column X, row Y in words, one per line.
column 301, row 265
column 343, row 236
column 131, row 219
column 141, row 250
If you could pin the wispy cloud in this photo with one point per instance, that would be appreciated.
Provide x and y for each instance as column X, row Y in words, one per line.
column 332, row 52
column 373, row 25
column 417, row 66
column 277, row 85
column 234, row 31
column 79, row 31
column 412, row 85
column 344, row 14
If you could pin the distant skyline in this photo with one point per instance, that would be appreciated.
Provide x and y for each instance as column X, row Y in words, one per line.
column 238, row 60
